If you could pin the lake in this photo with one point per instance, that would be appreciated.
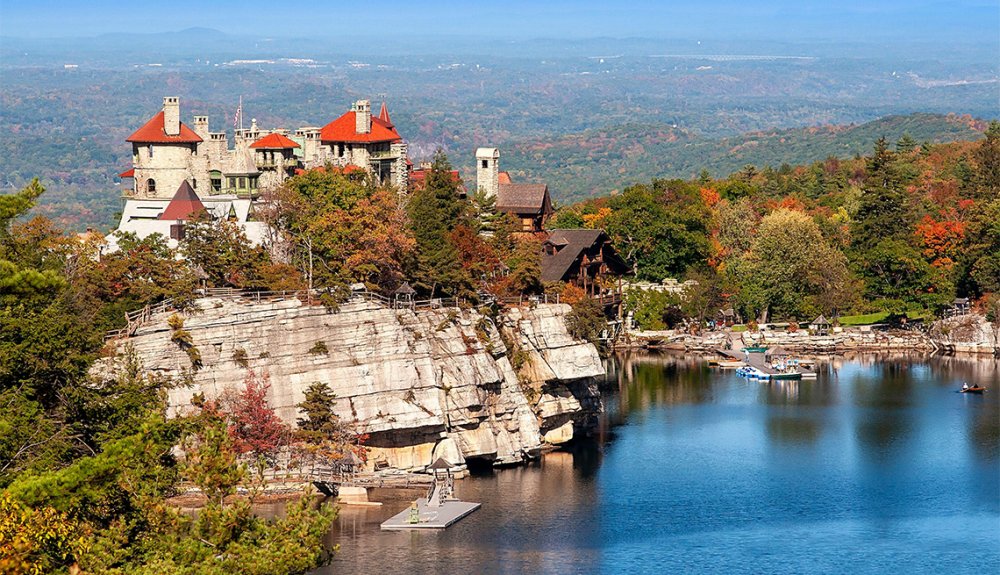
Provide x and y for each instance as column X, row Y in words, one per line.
column 879, row 466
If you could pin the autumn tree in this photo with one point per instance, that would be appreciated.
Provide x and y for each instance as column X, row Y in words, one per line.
column 255, row 427
column 221, row 250
column 343, row 228
column 791, row 270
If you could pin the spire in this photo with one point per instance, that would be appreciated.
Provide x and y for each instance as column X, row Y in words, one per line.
column 383, row 115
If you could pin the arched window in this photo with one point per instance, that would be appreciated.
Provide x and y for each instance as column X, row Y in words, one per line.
column 194, row 183
column 151, row 150
column 151, row 186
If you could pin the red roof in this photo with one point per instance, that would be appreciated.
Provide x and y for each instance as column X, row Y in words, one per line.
column 344, row 129
column 130, row 173
column 503, row 178
column 184, row 204
column 420, row 176
column 383, row 115
column 348, row 169
column 274, row 142
column 152, row 133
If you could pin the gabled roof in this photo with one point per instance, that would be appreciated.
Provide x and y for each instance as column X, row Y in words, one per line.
column 575, row 242
column 274, row 142
column 344, row 129
column 504, row 178
column 129, row 173
column 152, row 132
column 383, row 115
column 523, row 198
column 820, row 320
column 184, row 204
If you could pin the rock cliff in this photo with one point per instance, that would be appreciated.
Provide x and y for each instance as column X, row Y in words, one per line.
column 423, row 383
column 969, row 333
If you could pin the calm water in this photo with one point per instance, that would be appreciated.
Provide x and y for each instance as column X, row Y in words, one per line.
column 877, row 467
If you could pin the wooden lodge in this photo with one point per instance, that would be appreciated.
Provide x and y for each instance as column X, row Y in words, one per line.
column 584, row 258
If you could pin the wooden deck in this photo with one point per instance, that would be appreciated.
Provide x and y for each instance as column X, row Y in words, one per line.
column 430, row 517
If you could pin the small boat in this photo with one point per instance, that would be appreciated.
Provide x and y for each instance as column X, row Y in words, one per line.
column 755, row 349
column 974, row 389
column 787, row 375
column 730, row 363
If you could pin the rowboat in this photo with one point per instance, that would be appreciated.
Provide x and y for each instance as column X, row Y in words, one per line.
column 974, row 389
column 755, row 349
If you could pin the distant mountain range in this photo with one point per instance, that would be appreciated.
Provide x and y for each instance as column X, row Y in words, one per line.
column 577, row 166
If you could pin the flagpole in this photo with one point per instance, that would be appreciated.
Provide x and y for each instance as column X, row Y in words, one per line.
column 241, row 112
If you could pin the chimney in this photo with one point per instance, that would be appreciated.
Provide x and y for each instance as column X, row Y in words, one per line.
column 201, row 127
column 363, row 117
column 172, row 115
column 488, row 171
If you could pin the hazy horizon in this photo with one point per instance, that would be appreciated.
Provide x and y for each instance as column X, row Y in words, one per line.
column 951, row 21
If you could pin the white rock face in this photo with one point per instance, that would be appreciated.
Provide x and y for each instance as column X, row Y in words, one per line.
column 422, row 384
column 969, row 333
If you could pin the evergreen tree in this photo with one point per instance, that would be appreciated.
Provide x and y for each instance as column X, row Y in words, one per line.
column 317, row 407
column 434, row 212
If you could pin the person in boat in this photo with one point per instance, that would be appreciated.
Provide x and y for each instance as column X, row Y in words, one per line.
column 965, row 385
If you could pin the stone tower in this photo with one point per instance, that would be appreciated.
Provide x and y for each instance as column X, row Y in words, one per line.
column 363, row 116
column 488, row 171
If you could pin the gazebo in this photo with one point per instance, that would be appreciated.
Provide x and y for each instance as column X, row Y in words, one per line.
column 443, row 487
column 820, row 326
column 403, row 296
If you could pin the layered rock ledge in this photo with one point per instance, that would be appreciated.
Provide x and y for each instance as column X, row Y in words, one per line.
column 422, row 384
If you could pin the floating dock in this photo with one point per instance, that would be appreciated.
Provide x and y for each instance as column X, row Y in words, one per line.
column 758, row 361
column 430, row 517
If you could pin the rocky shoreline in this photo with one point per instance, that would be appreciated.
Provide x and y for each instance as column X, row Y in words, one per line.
column 966, row 334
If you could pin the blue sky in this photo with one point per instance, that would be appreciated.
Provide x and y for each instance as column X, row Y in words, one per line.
column 847, row 20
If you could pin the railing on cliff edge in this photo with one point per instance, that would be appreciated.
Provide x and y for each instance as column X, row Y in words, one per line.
column 136, row 319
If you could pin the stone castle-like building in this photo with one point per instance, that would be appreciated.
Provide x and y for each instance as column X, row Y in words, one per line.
column 179, row 170
column 173, row 163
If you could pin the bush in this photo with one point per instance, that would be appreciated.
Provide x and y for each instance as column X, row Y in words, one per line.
column 319, row 348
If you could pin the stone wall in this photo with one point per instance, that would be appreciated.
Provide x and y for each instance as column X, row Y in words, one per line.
column 421, row 383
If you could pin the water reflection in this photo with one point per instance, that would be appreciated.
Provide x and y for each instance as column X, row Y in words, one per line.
column 876, row 463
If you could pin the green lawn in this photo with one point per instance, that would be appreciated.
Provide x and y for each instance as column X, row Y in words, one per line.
column 868, row 319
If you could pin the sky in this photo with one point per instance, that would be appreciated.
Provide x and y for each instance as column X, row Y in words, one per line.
column 791, row 20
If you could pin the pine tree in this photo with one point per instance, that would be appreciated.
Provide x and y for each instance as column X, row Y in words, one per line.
column 434, row 212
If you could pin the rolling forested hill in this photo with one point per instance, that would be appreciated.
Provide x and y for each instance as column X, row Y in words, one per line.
column 591, row 163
